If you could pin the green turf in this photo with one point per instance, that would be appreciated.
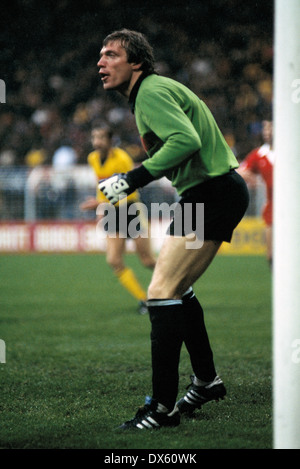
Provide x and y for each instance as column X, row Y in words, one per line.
column 78, row 356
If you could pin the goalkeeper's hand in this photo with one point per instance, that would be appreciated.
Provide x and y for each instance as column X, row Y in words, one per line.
column 116, row 187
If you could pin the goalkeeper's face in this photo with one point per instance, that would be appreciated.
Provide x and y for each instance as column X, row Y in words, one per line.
column 115, row 71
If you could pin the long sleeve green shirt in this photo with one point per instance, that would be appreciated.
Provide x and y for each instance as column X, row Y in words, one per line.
column 179, row 134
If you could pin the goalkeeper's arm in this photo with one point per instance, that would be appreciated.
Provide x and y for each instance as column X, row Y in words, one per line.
column 121, row 185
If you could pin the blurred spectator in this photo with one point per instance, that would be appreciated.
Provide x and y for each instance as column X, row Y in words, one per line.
column 64, row 156
column 35, row 157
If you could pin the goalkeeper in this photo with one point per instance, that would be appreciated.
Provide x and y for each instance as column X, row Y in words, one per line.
column 183, row 143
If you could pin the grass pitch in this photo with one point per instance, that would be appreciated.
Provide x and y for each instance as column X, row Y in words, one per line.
column 78, row 356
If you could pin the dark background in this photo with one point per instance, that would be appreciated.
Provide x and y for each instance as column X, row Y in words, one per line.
column 222, row 49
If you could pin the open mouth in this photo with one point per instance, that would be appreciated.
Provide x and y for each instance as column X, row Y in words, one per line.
column 103, row 76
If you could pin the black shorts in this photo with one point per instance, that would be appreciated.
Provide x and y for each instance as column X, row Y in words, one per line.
column 225, row 200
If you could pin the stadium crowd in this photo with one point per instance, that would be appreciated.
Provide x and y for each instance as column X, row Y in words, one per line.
column 53, row 92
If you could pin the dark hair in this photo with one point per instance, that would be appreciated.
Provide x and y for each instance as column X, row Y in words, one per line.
column 97, row 125
column 137, row 47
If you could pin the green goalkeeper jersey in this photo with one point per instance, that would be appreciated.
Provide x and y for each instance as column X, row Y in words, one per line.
column 179, row 133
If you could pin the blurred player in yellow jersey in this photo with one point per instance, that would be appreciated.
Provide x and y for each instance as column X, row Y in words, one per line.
column 105, row 161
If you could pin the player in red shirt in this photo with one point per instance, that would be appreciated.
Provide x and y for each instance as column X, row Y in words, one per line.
column 260, row 161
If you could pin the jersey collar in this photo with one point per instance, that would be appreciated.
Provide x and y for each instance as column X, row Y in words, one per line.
column 135, row 89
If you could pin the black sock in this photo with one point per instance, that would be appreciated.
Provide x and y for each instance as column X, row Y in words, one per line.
column 166, row 318
column 196, row 339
